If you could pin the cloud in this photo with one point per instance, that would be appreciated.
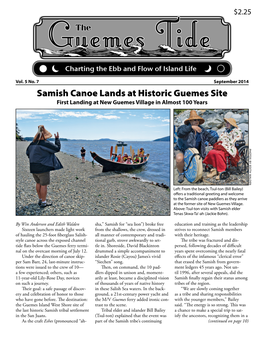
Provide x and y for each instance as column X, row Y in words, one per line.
column 74, row 114
column 56, row 114
column 101, row 117
column 150, row 117
column 26, row 116
column 32, row 114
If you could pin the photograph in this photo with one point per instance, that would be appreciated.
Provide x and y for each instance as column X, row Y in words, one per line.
column 211, row 147
column 93, row 162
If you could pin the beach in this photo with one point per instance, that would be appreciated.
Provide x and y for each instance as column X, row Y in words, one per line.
column 81, row 189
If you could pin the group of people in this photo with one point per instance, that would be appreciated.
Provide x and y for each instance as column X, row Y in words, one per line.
column 192, row 135
column 136, row 158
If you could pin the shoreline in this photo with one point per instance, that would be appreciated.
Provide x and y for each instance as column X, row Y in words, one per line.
column 148, row 173
column 82, row 189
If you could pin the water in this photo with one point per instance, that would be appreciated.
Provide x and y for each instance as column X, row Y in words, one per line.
column 157, row 169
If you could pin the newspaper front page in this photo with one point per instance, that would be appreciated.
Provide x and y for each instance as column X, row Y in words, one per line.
column 132, row 192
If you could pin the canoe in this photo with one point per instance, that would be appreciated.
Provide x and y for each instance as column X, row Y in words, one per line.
column 111, row 166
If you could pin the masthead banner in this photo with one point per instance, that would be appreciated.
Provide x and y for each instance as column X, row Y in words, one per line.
column 132, row 37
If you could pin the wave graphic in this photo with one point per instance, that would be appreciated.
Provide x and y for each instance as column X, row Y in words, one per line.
column 133, row 51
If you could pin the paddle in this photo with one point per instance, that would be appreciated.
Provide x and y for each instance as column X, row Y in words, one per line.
column 111, row 151
column 123, row 150
column 116, row 149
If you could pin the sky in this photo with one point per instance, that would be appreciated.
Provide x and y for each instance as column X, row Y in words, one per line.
column 121, row 125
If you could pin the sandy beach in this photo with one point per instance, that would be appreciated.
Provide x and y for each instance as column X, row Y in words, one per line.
column 82, row 189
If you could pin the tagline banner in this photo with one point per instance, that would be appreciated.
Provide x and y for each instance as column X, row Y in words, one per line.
column 44, row 68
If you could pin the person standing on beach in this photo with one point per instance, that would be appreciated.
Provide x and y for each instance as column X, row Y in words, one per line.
column 42, row 159
column 83, row 154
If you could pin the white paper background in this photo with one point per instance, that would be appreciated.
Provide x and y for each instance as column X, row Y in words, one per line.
column 246, row 57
